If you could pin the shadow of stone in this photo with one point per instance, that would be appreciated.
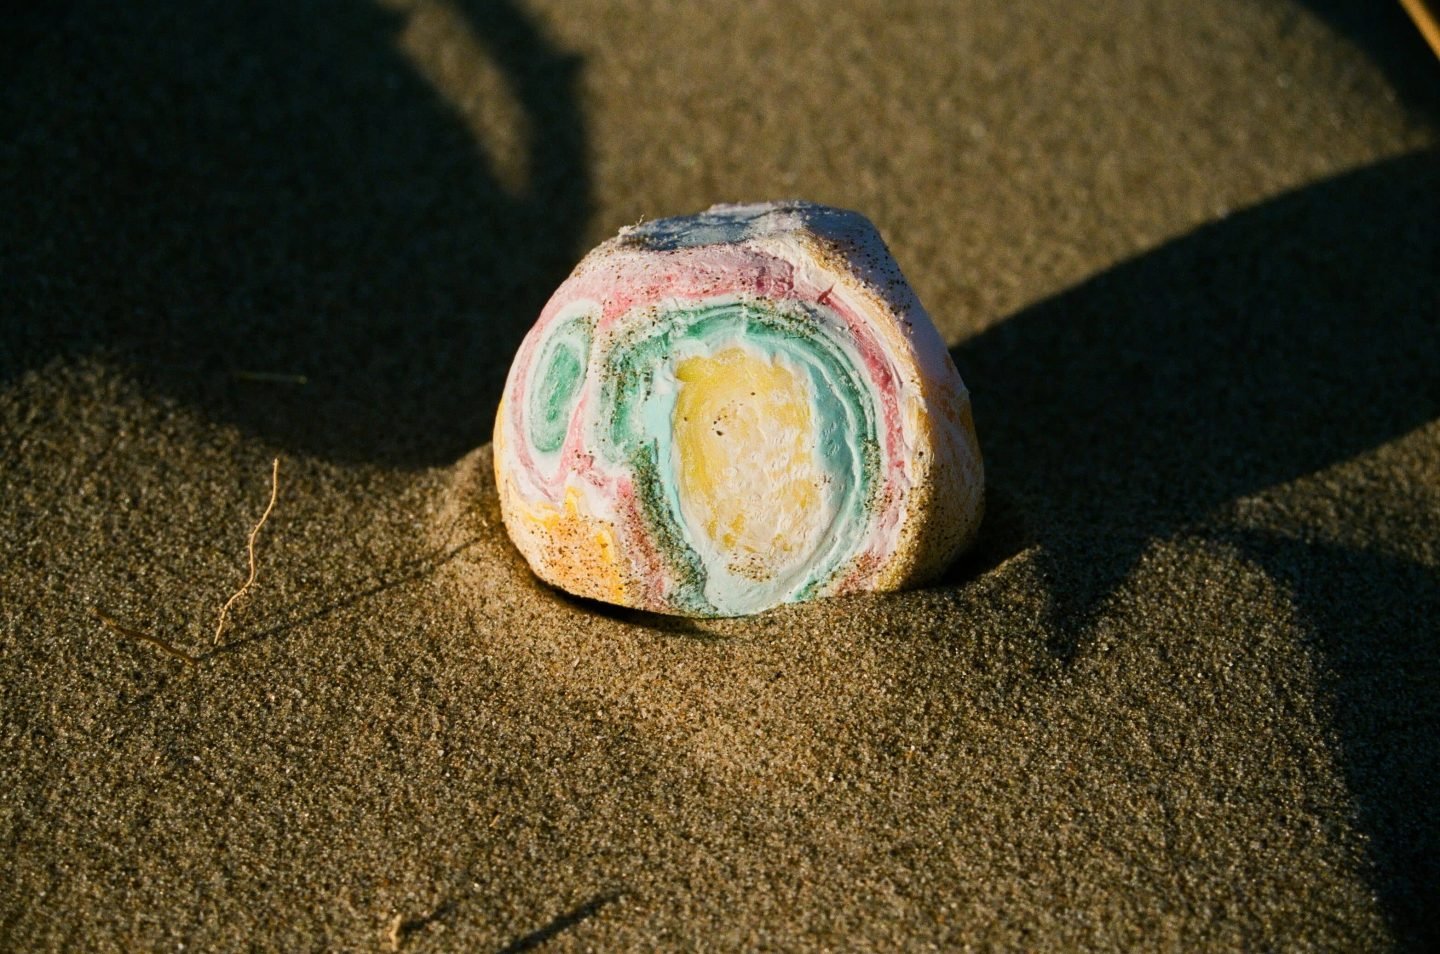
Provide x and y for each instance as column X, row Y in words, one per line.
column 654, row 622
column 1257, row 350
column 1373, row 620
column 264, row 211
column 1253, row 351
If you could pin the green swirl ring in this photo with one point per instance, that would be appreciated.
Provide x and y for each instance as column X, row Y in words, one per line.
column 634, row 430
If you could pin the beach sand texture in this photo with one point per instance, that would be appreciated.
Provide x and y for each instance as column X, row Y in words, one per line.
column 1184, row 694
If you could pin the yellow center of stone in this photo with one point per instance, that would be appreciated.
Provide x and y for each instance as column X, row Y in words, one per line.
column 746, row 466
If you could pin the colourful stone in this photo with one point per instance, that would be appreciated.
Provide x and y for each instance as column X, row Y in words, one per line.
column 719, row 413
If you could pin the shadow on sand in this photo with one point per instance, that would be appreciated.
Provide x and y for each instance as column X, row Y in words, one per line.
column 228, row 199
column 1386, row 35
column 1284, row 339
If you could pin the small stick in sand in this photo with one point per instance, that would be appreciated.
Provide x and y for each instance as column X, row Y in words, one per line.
column 130, row 632
column 274, row 492
column 1425, row 21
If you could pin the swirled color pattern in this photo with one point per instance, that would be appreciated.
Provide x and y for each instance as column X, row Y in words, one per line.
column 719, row 413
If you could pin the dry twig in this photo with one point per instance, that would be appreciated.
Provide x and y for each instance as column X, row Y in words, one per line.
column 1425, row 20
column 274, row 492
column 131, row 632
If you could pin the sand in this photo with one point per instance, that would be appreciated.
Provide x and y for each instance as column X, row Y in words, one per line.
column 1184, row 694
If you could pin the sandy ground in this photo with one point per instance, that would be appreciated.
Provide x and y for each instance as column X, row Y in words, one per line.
column 1184, row 695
